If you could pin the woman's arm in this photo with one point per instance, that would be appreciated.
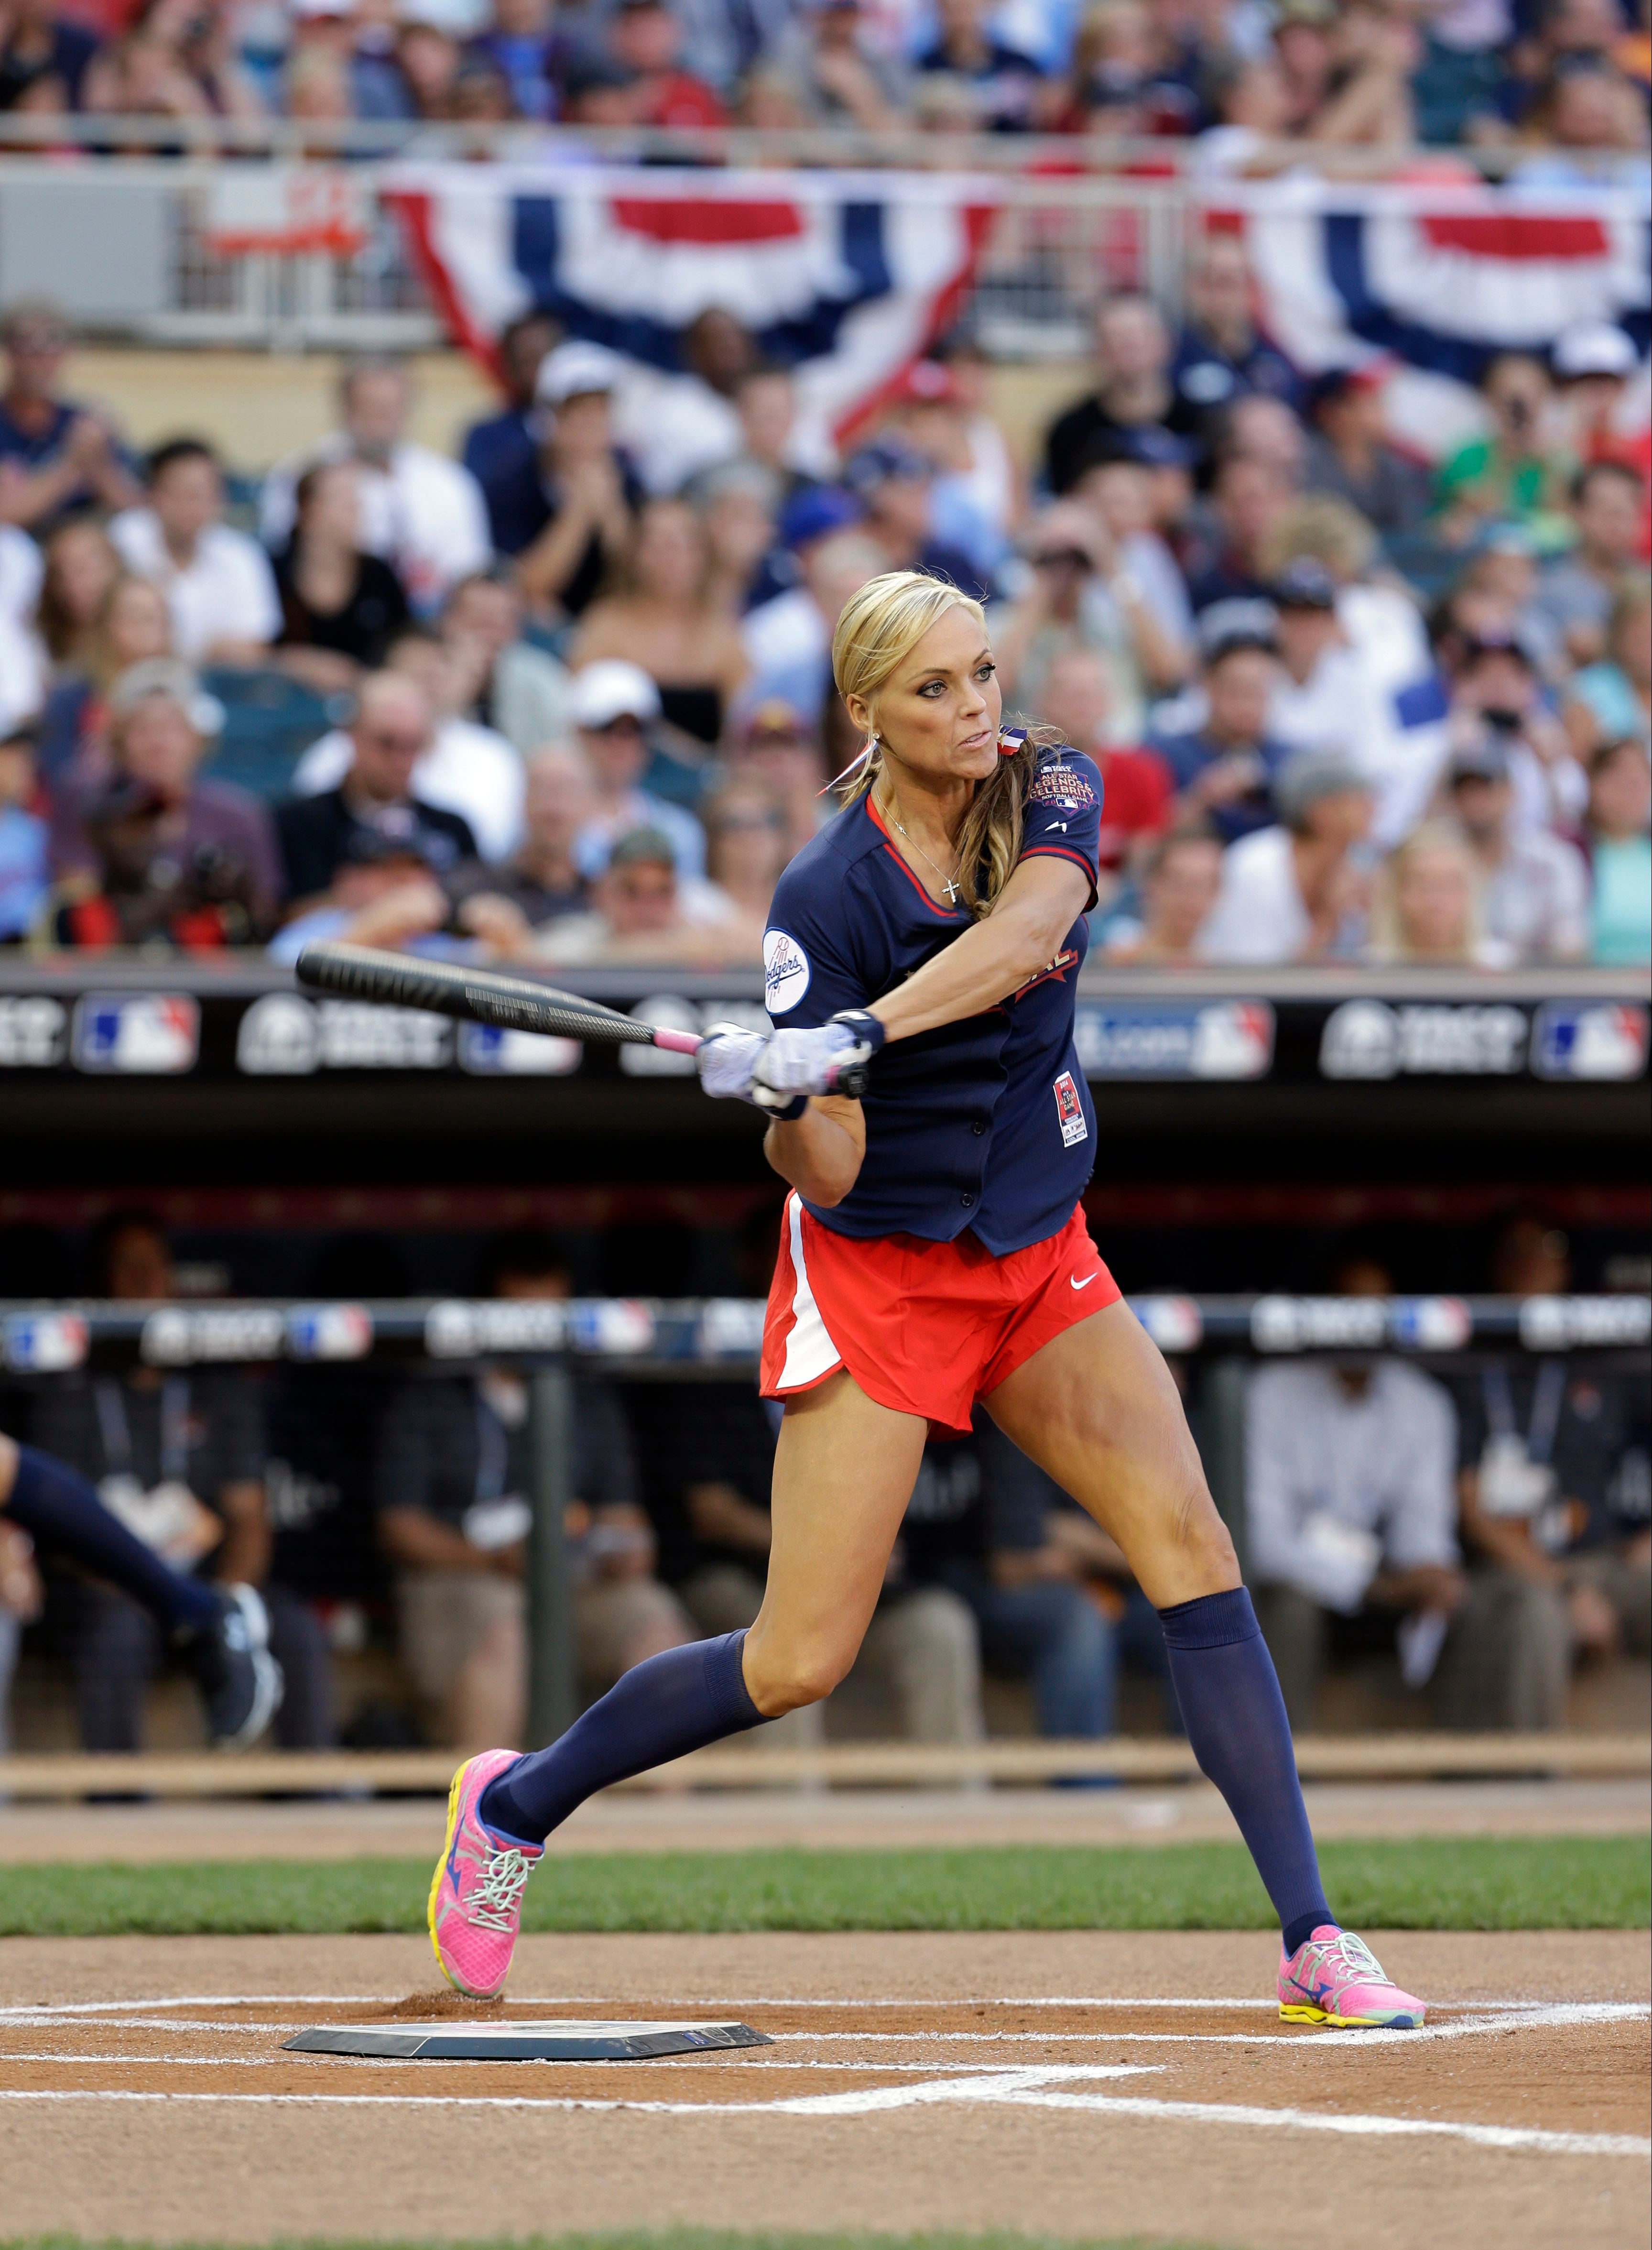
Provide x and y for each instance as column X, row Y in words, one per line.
column 1022, row 936
column 820, row 1153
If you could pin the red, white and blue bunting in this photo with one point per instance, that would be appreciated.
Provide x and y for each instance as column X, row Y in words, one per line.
column 846, row 278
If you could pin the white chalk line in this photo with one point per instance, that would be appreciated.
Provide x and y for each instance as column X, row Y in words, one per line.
column 1035, row 2089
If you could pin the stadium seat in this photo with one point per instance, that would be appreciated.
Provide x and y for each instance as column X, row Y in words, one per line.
column 270, row 720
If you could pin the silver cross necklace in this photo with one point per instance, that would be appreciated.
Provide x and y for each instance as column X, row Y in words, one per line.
column 948, row 883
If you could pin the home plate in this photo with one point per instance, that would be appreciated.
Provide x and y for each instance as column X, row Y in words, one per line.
column 580, row 2041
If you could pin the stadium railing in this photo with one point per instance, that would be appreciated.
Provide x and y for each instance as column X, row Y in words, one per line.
column 641, row 1341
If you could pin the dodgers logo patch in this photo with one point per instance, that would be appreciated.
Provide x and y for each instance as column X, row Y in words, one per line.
column 1061, row 785
column 786, row 972
column 1069, row 1112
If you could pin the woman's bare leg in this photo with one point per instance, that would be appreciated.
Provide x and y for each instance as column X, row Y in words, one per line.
column 1098, row 1410
column 844, row 1470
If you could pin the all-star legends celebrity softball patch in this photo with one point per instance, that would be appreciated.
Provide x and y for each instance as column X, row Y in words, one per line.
column 1061, row 785
column 1069, row 1112
column 786, row 972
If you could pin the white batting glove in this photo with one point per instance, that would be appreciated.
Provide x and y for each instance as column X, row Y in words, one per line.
column 800, row 1062
column 726, row 1059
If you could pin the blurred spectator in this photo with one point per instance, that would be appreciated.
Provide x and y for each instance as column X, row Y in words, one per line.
column 614, row 703
column 1125, row 78
column 765, row 403
column 1554, row 1490
column 521, row 42
column 736, row 505
column 574, row 520
column 1122, row 494
column 973, row 493
column 1535, row 886
column 747, row 849
column 1619, row 855
column 179, row 1457
column 427, row 57
column 773, row 744
column 339, row 605
column 1136, row 784
column 642, row 909
column 1132, row 389
column 506, row 684
column 675, row 425
column 183, row 855
column 1576, row 592
column 1589, row 122
column 383, row 892
column 421, row 512
column 839, row 77
column 1180, row 881
column 1221, row 353
column 218, row 584
column 541, row 878
column 1081, row 595
column 390, row 734
column 1613, row 696
column 1430, row 905
column 1507, row 475
column 175, row 60
column 666, row 622
column 502, row 452
column 789, row 639
column 895, row 483
column 1249, row 497
column 1349, row 453
column 1004, row 85
column 993, row 1531
column 1352, row 1518
column 81, row 564
column 1592, row 363
column 26, row 881
column 1498, row 684
column 646, row 40
column 468, row 769
column 134, row 626
column 1292, row 893
column 54, row 454
column 1224, row 769
column 39, row 45
column 452, row 1477
column 22, row 670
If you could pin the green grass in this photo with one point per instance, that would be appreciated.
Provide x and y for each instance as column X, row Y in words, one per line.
column 676, row 2238
column 1471, row 1882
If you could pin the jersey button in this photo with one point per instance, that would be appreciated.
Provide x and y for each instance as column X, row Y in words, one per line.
column 978, row 1126
column 966, row 1200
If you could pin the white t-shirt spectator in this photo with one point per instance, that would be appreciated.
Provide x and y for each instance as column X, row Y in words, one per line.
column 1334, row 710
column 225, row 592
column 1538, row 901
column 425, row 515
column 788, row 645
column 1323, row 1467
column 22, row 660
column 468, row 769
column 1258, row 916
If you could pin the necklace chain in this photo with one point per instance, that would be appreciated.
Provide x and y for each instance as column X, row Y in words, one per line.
column 948, row 883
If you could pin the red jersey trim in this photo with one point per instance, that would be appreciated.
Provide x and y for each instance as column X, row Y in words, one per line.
column 947, row 914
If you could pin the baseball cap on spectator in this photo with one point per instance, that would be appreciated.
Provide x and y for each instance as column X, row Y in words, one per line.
column 312, row 10
column 460, row 19
column 1501, row 641
column 886, row 462
column 648, row 847
column 1343, row 382
column 1482, row 758
column 575, row 370
column 775, row 719
column 1592, row 348
column 927, row 382
column 1304, row 584
column 168, row 676
column 1226, row 626
column 1302, row 781
column 614, row 690
column 1320, row 13
column 816, row 513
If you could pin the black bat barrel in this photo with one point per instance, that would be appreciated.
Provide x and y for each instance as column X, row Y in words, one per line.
column 481, row 996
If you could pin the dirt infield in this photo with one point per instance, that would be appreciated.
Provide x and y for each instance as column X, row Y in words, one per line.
column 1074, row 2084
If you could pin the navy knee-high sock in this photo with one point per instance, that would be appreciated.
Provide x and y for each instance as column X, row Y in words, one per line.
column 63, row 1515
column 1235, row 1719
column 662, row 1708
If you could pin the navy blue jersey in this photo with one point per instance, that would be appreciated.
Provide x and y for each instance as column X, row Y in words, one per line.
column 986, row 1123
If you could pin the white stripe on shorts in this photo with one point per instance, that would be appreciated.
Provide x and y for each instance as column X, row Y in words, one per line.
column 810, row 1352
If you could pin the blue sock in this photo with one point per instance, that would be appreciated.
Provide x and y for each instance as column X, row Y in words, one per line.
column 63, row 1515
column 1235, row 1718
column 673, row 1703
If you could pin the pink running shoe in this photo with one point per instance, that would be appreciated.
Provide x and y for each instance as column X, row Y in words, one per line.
column 475, row 1892
column 1334, row 1978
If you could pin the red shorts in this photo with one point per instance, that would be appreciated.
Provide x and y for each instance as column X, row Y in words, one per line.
column 926, row 1328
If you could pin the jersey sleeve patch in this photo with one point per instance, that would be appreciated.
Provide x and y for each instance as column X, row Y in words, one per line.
column 1063, row 785
column 786, row 972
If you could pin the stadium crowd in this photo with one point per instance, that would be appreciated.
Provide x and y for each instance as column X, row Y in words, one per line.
column 1560, row 84
column 1491, row 1531
column 567, row 698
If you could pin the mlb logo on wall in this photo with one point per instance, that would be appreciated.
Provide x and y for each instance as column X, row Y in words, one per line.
column 1605, row 1041
column 137, row 1034
column 1069, row 1112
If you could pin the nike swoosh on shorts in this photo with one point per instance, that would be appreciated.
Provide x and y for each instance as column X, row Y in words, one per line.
column 1074, row 1283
